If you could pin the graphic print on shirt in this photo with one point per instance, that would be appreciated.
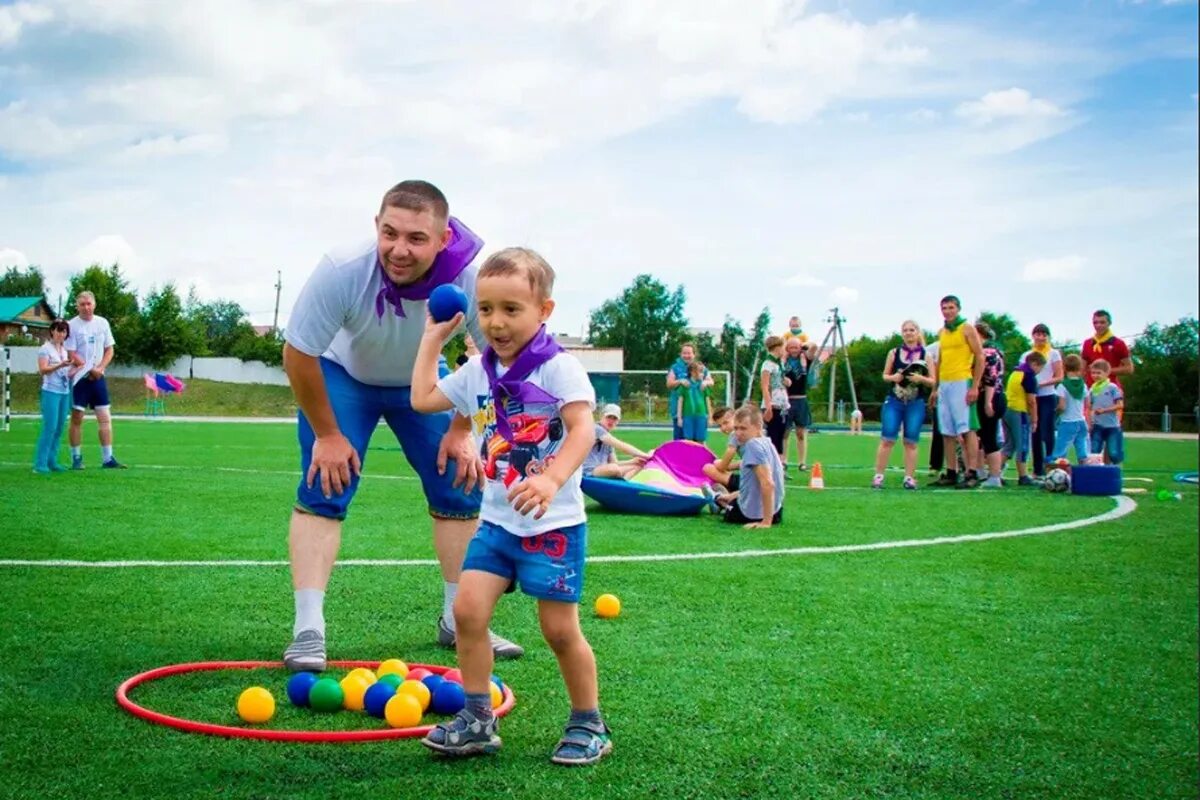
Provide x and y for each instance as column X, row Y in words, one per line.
column 537, row 436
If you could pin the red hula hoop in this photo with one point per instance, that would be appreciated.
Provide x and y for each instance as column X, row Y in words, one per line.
column 213, row 729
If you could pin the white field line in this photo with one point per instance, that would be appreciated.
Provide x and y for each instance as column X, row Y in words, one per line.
column 1124, row 505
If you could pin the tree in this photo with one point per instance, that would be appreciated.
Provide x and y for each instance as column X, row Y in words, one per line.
column 646, row 321
column 732, row 344
column 27, row 283
column 217, row 326
column 115, row 301
column 1009, row 339
column 755, row 352
column 250, row 346
column 1165, row 368
column 164, row 332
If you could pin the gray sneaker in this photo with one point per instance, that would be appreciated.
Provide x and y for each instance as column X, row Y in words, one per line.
column 306, row 653
column 501, row 647
column 465, row 735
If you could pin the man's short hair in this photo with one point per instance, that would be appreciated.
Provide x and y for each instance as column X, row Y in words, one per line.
column 1035, row 357
column 950, row 298
column 520, row 261
column 748, row 413
column 1072, row 362
column 1100, row 312
column 1042, row 327
column 416, row 196
column 84, row 294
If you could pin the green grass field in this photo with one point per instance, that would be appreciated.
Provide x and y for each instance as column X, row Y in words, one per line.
column 1059, row 666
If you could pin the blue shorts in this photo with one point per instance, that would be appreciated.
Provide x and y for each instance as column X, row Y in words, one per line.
column 90, row 393
column 696, row 428
column 897, row 413
column 548, row 566
column 357, row 407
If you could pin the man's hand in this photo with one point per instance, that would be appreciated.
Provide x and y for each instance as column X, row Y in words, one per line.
column 972, row 395
column 768, row 412
column 336, row 461
column 762, row 523
column 468, row 468
column 533, row 494
column 96, row 373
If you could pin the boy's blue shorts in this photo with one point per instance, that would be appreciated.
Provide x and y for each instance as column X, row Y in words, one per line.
column 548, row 566
column 358, row 407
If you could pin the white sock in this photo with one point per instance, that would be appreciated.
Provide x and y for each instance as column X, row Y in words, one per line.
column 984, row 474
column 77, row 452
column 878, row 476
column 106, row 452
column 310, row 611
column 449, row 592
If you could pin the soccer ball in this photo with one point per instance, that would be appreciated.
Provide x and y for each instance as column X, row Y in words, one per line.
column 1057, row 480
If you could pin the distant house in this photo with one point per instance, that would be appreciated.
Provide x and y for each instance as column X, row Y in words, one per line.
column 262, row 330
column 28, row 315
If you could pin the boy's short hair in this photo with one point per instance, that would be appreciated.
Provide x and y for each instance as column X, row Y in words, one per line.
column 951, row 298
column 748, row 413
column 984, row 330
column 517, row 261
column 696, row 366
column 773, row 342
column 1072, row 362
column 1035, row 357
column 720, row 412
column 1042, row 327
column 416, row 196
column 1102, row 365
column 1100, row 312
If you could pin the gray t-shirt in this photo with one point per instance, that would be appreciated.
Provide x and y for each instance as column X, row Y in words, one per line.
column 600, row 453
column 754, row 452
column 1105, row 399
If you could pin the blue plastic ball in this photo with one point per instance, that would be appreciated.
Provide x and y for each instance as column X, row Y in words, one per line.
column 298, row 686
column 448, row 698
column 432, row 682
column 376, row 698
column 445, row 301
column 499, row 683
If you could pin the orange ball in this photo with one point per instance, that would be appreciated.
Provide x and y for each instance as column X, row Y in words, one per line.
column 418, row 690
column 402, row 711
column 607, row 606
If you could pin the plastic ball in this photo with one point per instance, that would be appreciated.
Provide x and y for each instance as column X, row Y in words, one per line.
column 365, row 674
column 377, row 697
column 418, row 690
column 499, row 683
column 298, row 687
column 432, row 682
column 452, row 675
column 417, row 674
column 354, row 688
column 448, row 698
column 256, row 705
column 497, row 695
column 1163, row 494
column 326, row 695
column 402, row 711
column 392, row 666
column 445, row 301
column 607, row 606
column 391, row 679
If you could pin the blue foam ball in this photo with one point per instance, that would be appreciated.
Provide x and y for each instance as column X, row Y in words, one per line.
column 499, row 683
column 376, row 698
column 449, row 698
column 432, row 682
column 298, row 686
column 445, row 301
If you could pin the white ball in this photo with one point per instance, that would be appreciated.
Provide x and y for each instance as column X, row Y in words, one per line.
column 1057, row 480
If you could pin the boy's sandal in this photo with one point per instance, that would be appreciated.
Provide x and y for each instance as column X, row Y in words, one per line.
column 582, row 745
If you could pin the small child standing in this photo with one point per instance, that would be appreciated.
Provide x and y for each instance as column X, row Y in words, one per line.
column 531, row 403
column 758, row 501
column 774, row 394
column 1107, row 403
column 1072, row 411
column 695, row 404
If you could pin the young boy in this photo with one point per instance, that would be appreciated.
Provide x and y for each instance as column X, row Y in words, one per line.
column 1107, row 403
column 721, row 472
column 758, row 501
column 774, row 394
column 601, row 460
column 695, row 404
column 531, row 404
column 1072, row 411
column 1020, row 416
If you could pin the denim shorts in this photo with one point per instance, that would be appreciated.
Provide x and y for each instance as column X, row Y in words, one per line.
column 358, row 407
column 1112, row 439
column 548, row 566
column 897, row 413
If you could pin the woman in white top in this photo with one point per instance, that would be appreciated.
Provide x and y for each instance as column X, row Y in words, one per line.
column 54, row 365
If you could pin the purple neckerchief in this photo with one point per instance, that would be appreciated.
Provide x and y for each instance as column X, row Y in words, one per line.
column 450, row 262
column 540, row 349
column 910, row 354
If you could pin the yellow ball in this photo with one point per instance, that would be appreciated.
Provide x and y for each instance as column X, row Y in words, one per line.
column 418, row 690
column 393, row 666
column 354, row 687
column 497, row 695
column 256, row 705
column 607, row 606
column 402, row 711
column 364, row 673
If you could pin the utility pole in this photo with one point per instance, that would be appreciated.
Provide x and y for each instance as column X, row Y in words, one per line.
column 278, row 289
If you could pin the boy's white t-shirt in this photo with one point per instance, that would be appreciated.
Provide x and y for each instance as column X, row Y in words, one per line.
column 1073, row 410
column 59, row 381
column 89, row 339
column 335, row 317
column 779, row 398
column 564, row 378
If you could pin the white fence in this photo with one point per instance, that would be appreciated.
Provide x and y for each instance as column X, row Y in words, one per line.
column 225, row 370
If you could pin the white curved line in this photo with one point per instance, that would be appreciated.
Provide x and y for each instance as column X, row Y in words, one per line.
column 1124, row 505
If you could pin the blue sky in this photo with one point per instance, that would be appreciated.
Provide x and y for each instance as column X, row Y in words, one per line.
column 1034, row 158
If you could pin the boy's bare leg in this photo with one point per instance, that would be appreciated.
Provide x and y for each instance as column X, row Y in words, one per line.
column 560, row 627
column 478, row 593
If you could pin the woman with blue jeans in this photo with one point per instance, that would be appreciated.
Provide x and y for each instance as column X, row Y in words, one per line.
column 54, row 367
column 911, row 379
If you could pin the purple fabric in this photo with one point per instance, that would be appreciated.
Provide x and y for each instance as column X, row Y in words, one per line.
column 911, row 354
column 684, row 461
column 540, row 349
column 450, row 262
column 167, row 383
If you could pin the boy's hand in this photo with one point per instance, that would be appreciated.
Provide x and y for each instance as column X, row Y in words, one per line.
column 762, row 523
column 768, row 412
column 441, row 332
column 533, row 494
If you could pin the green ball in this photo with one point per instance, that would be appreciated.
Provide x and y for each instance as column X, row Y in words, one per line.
column 391, row 679
column 326, row 695
column 1164, row 494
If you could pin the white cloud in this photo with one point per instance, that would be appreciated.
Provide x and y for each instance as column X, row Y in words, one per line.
column 1044, row 270
column 803, row 279
column 167, row 146
column 923, row 115
column 10, row 257
column 111, row 249
column 25, row 134
column 1007, row 105
column 844, row 294
column 16, row 16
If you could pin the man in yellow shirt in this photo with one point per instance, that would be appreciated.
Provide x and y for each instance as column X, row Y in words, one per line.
column 960, row 371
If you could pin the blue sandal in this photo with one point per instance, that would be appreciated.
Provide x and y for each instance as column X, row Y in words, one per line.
column 582, row 745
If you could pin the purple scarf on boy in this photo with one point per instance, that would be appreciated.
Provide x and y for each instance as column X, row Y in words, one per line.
column 540, row 349
column 450, row 262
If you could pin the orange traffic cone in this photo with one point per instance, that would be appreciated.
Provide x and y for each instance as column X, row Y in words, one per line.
column 817, row 479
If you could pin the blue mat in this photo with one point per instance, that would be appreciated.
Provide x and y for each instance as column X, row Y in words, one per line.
column 635, row 498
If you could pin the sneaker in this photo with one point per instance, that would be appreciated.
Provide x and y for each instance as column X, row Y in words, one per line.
column 582, row 745
column 944, row 480
column 501, row 647
column 40, row 471
column 993, row 482
column 112, row 463
column 306, row 653
column 910, row 483
column 877, row 482
column 1025, row 480
column 969, row 482
column 465, row 735
column 56, row 467
column 803, row 468
column 76, row 462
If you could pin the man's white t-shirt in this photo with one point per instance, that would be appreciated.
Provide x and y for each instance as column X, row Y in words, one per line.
column 538, row 435
column 89, row 339
column 1046, row 373
column 335, row 317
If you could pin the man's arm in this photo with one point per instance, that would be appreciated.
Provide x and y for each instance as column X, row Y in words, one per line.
column 972, row 337
column 1125, row 364
column 333, row 457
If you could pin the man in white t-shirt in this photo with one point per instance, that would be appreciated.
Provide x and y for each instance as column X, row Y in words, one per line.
column 91, row 344
column 350, row 346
